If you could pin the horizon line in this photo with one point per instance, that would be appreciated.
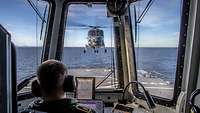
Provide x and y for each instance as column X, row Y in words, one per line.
column 101, row 47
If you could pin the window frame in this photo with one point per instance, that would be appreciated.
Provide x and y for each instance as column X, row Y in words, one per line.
column 179, row 63
column 64, row 20
column 47, row 35
column 46, row 28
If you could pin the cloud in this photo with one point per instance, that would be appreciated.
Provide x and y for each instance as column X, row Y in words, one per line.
column 25, row 40
column 23, row 35
column 158, row 40
column 161, row 14
column 160, row 26
column 96, row 15
column 85, row 11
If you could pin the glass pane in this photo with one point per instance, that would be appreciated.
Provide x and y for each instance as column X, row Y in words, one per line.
column 21, row 21
column 89, row 44
column 156, row 44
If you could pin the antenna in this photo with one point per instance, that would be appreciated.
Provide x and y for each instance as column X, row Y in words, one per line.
column 36, row 10
column 145, row 11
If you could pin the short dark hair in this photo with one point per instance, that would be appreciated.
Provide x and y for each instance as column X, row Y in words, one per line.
column 51, row 75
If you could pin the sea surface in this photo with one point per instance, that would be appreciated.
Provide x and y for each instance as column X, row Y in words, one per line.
column 152, row 60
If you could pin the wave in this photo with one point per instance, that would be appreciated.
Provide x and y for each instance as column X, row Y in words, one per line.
column 154, row 75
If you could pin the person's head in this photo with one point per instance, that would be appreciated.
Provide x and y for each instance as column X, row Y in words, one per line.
column 51, row 75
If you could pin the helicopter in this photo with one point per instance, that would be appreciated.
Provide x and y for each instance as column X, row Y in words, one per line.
column 95, row 36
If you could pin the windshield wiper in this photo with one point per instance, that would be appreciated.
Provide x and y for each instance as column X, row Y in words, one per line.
column 25, row 82
column 43, row 21
column 106, row 77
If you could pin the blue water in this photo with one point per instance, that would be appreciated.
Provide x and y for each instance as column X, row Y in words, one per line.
column 161, row 60
column 75, row 58
column 27, row 61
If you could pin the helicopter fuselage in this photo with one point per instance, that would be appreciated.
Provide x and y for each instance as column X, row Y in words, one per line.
column 95, row 38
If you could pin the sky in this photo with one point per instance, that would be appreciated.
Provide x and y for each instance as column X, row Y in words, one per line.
column 159, row 28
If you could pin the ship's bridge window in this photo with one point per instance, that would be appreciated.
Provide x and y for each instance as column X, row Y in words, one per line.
column 89, row 49
column 156, row 40
column 24, row 25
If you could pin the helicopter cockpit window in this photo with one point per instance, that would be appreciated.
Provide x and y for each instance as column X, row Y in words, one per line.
column 156, row 27
column 89, row 49
column 27, row 33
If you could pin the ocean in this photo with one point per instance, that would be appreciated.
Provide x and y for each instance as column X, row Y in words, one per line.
column 161, row 61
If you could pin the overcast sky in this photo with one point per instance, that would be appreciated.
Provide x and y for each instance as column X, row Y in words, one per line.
column 159, row 28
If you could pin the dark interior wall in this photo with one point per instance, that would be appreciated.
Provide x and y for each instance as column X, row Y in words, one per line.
column 197, row 100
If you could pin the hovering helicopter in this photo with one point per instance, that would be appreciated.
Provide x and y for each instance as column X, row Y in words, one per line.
column 95, row 37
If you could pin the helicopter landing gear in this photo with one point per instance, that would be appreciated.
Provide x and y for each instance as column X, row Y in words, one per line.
column 96, row 51
column 105, row 51
column 84, row 51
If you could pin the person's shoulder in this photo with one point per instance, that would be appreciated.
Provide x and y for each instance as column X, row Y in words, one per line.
column 83, row 109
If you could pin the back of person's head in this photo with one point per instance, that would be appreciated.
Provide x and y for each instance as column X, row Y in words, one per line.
column 51, row 75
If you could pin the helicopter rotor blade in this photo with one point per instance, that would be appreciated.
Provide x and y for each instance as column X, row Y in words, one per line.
column 80, row 25
column 76, row 28
column 85, row 28
column 76, row 24
column 104, row 26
